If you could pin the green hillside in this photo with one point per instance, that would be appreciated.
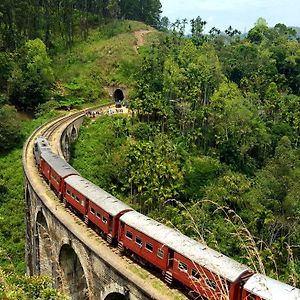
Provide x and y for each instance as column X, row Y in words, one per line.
column 213, row 145
column 107, row 57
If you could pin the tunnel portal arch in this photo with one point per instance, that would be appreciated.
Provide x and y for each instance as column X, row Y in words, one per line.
column 115, row 296
column 118, row 95
column 73, row 277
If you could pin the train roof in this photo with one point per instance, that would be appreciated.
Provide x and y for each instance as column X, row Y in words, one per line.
column 271, row 289
column 59, row 165
column 197, row 252
column 42, row 142
column 101, row 198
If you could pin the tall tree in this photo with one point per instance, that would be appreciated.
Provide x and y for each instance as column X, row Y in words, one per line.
column 32, row 77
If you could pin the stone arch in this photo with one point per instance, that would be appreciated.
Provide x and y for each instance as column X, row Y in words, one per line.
column 28, row 205
column 118, row 95
column 72, row 274
column 44, row 245
column 115, row 296
column 27, row 196
column 30, row 229
column 114, row 291
column 66, row 142
column 73, row 134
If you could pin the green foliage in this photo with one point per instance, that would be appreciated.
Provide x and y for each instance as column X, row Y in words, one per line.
column 12, row 227
column 200, row 172
column 70, row 102
column 147, row 11
column 69, row 21
column 106, row 58
column 153, row 172
column 10, row 134
column 193, row 75
column 214, row 131
column 102, row 164
column 27, row 288
column 238, row 132
column 32, row 77
column 212, row 147
column 117, row 27
column 6, row 65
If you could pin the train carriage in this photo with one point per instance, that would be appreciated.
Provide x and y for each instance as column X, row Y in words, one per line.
column 55, row 170
column 99, row 207
column 199, row 267
column 261, row 287
column 138, row 234
column 205, row 270
column 195, row 265
column 41, row 144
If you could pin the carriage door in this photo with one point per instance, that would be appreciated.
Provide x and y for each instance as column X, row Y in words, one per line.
column 170, row 259
column 110, row 224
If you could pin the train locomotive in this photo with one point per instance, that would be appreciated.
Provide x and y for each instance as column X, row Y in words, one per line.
column 199, row 268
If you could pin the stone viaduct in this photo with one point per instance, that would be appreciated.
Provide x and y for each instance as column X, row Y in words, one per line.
column 59, row 245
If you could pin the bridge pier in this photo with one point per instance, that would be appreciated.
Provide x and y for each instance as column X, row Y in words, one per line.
column 73, row 277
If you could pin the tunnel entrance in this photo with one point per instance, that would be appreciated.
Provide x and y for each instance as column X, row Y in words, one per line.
column 118, row 95
column 43, row 245
column 115, row 296
column 73, row 278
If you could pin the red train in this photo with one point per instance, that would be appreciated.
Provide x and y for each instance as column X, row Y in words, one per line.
column 198, row 267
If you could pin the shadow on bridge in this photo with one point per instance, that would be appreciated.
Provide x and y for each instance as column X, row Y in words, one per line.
column 43, row 242
column 73, row 278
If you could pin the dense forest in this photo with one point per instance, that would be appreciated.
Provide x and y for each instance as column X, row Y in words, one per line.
column 37, row 39
column 211, row 147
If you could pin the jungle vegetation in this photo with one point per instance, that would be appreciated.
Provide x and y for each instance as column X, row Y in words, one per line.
column 39, row 42
column 211, row 146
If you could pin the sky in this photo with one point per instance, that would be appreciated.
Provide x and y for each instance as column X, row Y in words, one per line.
column 240, row 14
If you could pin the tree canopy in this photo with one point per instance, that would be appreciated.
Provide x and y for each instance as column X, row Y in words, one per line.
column 213, row 144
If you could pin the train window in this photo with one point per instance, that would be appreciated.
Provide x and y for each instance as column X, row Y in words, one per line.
column 98, row 215
column 212, row 284
column 182, row 266
column 139, row 241
column 251, row 297
column 92, row 210
column 129, row 235
column 149, row 247
column 68, row 192
column 195, row 274
column 77, row 199
column 73, row 196
column 104, row 220
column 54, row 178
column 160, row 253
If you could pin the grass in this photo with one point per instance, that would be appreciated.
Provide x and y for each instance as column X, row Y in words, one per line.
column 106, row 58
column 12, row 226
column 139, row 271
column 156, row 283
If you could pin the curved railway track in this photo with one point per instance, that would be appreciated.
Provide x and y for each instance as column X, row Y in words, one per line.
column 53, row 130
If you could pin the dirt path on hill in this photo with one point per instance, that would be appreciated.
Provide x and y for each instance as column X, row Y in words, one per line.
column 140, row 40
